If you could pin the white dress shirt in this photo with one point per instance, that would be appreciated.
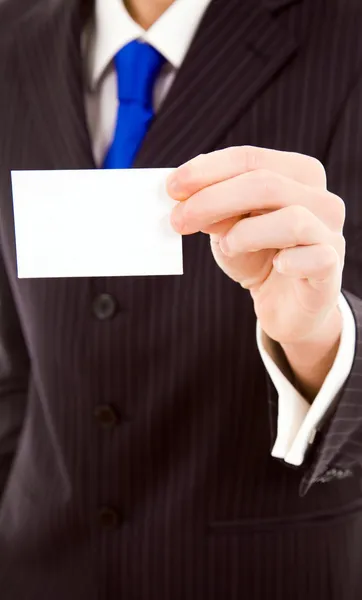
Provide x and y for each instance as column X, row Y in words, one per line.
column 111, row 29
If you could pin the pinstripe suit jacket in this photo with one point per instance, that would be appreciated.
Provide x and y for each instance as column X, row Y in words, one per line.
column 136, row 418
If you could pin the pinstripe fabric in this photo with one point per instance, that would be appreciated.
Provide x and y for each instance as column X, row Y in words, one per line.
column 196, row 507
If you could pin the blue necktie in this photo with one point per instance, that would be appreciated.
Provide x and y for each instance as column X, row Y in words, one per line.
column 137, row 65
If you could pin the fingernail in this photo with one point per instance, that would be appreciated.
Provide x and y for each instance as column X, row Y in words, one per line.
column 173, row 186
column 177, row 220
column 224, row 246
column 278, row 263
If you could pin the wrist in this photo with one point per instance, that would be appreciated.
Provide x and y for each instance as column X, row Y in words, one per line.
column 311, row 358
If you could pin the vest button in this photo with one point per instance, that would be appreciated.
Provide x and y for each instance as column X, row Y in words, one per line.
column 108, row 518
column 104, row 307
column 106, row 416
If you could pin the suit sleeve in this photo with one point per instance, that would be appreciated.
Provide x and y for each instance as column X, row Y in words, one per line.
column 14, row 377
column 337, row 449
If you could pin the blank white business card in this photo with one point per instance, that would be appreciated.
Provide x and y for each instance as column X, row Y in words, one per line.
column 96, row 223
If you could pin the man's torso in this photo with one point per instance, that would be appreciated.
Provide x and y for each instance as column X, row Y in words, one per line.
column 143, row 468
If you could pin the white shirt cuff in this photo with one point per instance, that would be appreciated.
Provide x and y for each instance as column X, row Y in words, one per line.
column 298, row 420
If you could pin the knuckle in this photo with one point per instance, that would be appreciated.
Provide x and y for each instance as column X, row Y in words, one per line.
column 340, row 209
column 270, row 184
column 340, row 247
column 232, row 157
column 318, row 171
column 299, row 219
column 250, row 158
column 299, row 213
column 329, row 256
column 342, row 241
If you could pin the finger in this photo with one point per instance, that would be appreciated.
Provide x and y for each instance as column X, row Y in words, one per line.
column 285, row 228
column 320, row 264
column 208, row 169
column 221, row 228
column 257, row 191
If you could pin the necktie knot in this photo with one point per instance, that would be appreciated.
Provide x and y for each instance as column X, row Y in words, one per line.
column 137, row 65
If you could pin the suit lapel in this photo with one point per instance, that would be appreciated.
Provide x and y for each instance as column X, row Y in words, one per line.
column 50, row 64
column 238, row 49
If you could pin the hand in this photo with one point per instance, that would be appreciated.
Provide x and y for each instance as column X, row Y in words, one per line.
column 274, row 229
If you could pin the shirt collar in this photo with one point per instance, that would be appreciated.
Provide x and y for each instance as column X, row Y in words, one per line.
column 113, row 28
